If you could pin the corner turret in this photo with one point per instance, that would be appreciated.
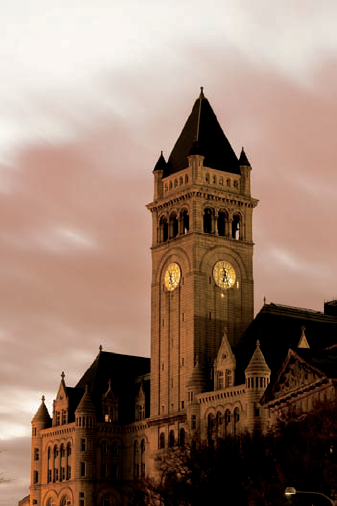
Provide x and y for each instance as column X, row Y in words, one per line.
column 257, row 376
column 40, row 422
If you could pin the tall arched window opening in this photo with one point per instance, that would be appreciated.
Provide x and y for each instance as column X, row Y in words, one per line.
column 236, row 227
column 222, row 220
column 208, row 218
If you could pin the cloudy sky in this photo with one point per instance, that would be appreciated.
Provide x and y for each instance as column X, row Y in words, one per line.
column 90, row 92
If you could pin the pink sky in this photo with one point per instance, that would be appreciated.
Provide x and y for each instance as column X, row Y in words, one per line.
column 90, row 93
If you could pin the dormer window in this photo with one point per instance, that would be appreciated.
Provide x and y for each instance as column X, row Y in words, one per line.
column 110, row 406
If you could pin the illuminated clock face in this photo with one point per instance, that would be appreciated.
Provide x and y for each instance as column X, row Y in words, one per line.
column 172, row 276
column 224, row 274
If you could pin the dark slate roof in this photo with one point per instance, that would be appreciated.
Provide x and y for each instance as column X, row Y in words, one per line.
column 202, row 126
column 278, row 328
column 42, row 415
column 161, row 163
column 122, row 370
column 243, row 160
column 324, row 360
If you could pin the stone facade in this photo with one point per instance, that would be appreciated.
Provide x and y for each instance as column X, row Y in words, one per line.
column 208, row 370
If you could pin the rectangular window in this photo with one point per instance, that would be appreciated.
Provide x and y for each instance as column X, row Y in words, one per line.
column 36, row 454
column 83, row 445
column 34, row 431
column 63, row 473
column 49, row 475
column 56, row 475
column 162, row 410
column 210, row 315
column 194, row 422
column 81, row 499
column 57, row 418
column 82, row 469
column 68, row 472
column 64, row 417
column 183, row 317
column 172, row 408
column 182, row 362
column 36, row 476
column 171, row 382
column 34, row 501
column 182, row 404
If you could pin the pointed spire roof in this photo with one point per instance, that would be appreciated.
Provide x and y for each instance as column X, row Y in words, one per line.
column 243, row 160
column 197, row 379
column 42, row 414
column 257, row 364
column 161, row 163
column 86, row 406
column 203, row 128
column 303, row 343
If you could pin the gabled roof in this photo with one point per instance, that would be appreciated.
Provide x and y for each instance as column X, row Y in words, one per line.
column 279, row 328
column 202, row 134
column 318, row 366
column 122, row 370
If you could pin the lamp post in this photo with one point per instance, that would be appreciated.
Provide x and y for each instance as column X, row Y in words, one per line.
column 293, row 491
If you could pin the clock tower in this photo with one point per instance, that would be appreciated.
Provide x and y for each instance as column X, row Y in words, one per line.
column 202, row 259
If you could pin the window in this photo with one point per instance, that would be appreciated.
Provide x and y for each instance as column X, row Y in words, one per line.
column 36, row 454
column 49, row 475
column 56, row 474
column 34, row 431
column 227, row 416
column 36, row 476
column 81, row 499
column 63, row 451
column 68, row 472
column 34, row 501
column 194, row 422
column 104, row 471
column 68, row 449
column 115, row 448
column 182, row 404
column 256, row 412
column 82, row 469
column 171, row 439
column 83, row 445
column 162, row 440
column 182, row 437
column 104, row 447
column 58, row 417
column 64, row 416
column 63, row 473
column 56, row 452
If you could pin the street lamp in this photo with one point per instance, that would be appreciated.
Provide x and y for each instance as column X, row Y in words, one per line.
column 293, row 491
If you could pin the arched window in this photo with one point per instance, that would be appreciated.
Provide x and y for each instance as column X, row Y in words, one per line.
column 49, row 453
column 56, row 452
column 221, row 180
column 115, row 448
column 236, row 184
column 210, row 429
column 68, row 449
column 136, row 459
column 175, row 183
column 236, row 227
column 142, row 458
column 222, row 221
column 171, row 185
column 236, row 416
column 214, row 179
column 227, row 422
column 185, row 221
column 163, row 229
column 186, row 178
column 173, row 228
column 228, row 183
column 207, row 178
column 182, row 437
column 181, row 180
column 104, row 447
column 219, row 419
column 171, row 438
column 162, row 440
column 208, row 218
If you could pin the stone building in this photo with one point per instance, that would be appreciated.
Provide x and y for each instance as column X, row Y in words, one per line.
column 211, row 361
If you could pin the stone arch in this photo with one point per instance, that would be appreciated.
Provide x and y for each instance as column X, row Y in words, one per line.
column 66, row 497
column 106, row 495
column 210, row 257
column 178, row 255
column 50, row 498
